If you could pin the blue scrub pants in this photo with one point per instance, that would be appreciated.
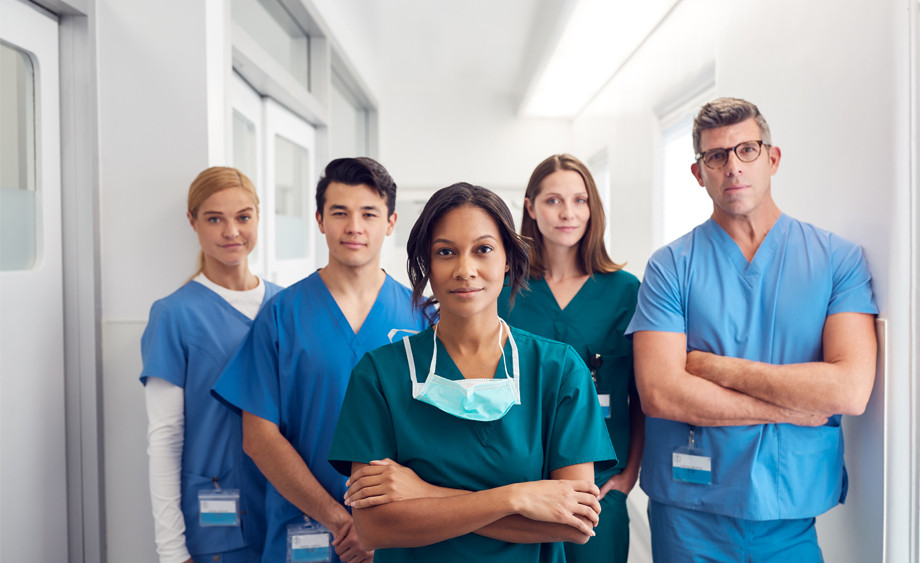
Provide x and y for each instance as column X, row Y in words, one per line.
column 242, row 555
column 682, row 535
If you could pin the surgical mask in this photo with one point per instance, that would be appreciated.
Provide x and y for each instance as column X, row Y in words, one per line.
column 481, row 400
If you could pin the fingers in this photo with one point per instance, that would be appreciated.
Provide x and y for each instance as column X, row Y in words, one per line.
column 362, row 483
column 588, row 513
column 379, row 462
column 589, row 501
column 365, row 471
column 581, row 525
column 608, row 486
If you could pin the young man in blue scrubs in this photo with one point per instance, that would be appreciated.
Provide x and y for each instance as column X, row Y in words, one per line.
column 753, row 334
column 290, row 374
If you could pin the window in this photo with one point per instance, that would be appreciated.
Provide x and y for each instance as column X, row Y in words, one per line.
column 18, row 210
column 348, row 133
column 273, row 28
column 292, row 182
column 600, row 171
column 684, row 204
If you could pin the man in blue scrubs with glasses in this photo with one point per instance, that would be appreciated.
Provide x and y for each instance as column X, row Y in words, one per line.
column 753, row 334
column 290, row 374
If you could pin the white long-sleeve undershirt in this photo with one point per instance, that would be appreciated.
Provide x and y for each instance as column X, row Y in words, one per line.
column 166, row 436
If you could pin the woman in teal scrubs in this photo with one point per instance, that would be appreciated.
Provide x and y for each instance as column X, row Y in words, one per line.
column 579, row 296
column 470, row 441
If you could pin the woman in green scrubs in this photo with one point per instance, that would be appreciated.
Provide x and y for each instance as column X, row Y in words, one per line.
column 579, row 296
column 470, row 441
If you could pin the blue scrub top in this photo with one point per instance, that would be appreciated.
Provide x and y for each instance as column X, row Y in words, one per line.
column 293, row 369
column 189, row 338
column 771, row 310
column 557, row 424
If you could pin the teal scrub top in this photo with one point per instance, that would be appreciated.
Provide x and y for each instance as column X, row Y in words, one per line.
column 557, row 424
column 593, row 322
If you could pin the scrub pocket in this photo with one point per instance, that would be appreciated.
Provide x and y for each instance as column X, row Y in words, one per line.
column 198, row 539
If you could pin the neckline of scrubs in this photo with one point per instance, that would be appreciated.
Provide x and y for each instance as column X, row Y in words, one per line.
column 751, row 271
column 355, row 339
column 446, row 367
column 584, row 296
column 214, row 296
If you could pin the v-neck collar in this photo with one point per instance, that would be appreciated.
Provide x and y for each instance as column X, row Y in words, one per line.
column 751, row 271
column 584, row 296
column 355, row 340
column 446, row 367
column 214, row 296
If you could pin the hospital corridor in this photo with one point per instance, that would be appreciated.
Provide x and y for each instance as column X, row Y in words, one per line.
column 252, row 254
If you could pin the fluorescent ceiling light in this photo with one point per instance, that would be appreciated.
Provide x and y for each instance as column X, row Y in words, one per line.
column 598, row 38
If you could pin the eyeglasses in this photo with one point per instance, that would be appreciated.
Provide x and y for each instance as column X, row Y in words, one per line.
column 747, row 151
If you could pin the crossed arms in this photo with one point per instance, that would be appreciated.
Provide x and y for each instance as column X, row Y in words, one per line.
column 704, row 389
column 393, row 507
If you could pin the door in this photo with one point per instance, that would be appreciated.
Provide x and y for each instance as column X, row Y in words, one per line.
column 33, row 495
column 248, row 141
column 290, row 182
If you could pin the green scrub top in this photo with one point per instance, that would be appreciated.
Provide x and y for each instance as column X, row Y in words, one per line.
column 557, row 424
column 593, row 322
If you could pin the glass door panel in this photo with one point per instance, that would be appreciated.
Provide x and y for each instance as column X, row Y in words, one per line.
column 18, row 211
column 247, row 156
column 291, row 173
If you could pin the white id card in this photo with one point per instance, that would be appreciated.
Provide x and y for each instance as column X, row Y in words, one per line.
column 219, row 507
column 604, row 400
column 309, row 542
column 691, row 465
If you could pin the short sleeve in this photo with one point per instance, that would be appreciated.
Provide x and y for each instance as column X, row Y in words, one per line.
column 579, row 434
column 163, row 350
column 365, row 428
column 250, row 381
column 852, row 291
column 659, row 305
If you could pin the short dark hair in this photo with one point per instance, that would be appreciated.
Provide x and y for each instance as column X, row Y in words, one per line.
column 355, row 172
column 517, row 248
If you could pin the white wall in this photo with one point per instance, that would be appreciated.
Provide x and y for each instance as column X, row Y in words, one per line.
column 822, row 72
column 154, row 112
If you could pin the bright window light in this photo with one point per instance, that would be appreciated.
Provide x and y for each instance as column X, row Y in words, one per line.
column 599, row 37
column 684, row 203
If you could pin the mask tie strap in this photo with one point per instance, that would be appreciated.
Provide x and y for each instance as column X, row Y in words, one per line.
column 415, row 386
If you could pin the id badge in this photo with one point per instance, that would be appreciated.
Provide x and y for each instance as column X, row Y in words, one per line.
column 691, row 465
column 308, row 542
column 604, row 400
column 219, row 507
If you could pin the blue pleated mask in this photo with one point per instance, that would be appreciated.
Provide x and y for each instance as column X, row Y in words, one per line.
column 481, row 400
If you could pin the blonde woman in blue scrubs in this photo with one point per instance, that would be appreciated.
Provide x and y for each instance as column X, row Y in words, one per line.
column 470, row 441
column 195, row 443
column 579, row 296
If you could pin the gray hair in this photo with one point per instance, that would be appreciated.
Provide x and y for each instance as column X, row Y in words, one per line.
column 724, row 112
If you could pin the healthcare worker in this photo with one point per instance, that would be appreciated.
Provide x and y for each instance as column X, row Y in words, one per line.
column 483, row 438
column 290, row 374
column 753, row 334
column 579, row 296
column 195, row 444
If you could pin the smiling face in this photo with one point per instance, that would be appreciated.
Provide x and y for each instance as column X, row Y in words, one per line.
column 355, row 222
column 561, row 208
column 737, row 188
column 468, row 263
column 227, row 224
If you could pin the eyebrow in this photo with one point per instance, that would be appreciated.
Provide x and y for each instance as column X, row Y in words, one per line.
column 560, row 195
column 337, row 207
column 221, row 212
column 445, row 241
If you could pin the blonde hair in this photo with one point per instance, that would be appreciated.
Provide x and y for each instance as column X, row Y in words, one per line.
column 592, row 252
column 213, row 180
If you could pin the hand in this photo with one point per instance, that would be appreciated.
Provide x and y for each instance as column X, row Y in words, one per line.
column 799, row 418
column 345, row 542
column 382, row 482
column 620, row 482
column 560, row 502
